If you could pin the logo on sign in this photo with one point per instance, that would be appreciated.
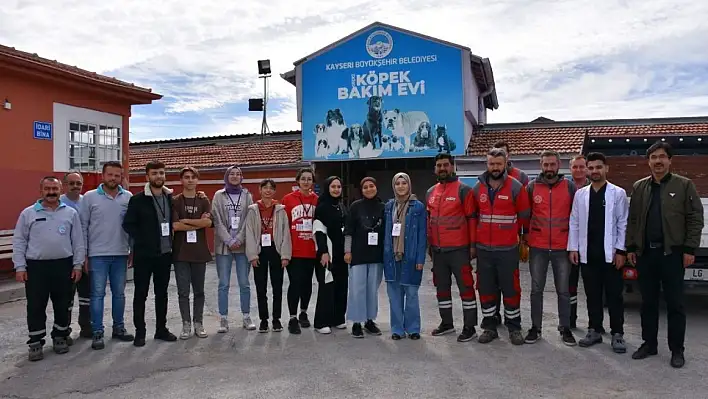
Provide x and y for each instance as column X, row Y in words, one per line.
column 379, row 44
column 42, row 130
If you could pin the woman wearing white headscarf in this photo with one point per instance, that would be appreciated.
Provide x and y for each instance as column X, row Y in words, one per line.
column 405, row 239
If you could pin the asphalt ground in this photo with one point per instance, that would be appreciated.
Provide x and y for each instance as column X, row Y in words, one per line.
column 247, row 364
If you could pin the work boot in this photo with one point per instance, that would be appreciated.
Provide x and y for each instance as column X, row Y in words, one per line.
column 35, row 352
column 164, row 334
column 488, row 336
column 644, row 352
column 677, row 359
column 516, row 338
column 121, row 334
column 98, row 343
column 618, row 344
column 60, row 345
column 591, row 338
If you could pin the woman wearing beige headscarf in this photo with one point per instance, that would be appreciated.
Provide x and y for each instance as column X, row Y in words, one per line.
column 405, row 241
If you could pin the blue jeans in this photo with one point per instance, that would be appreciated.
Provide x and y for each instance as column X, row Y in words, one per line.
column 223, row 270
column 364, row 282
column 405, row 308
column 103, row 269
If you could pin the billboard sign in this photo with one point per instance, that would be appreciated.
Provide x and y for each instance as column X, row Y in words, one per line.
column 383, row 94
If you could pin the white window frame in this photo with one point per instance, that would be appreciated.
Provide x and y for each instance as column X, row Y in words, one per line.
column 103, row 142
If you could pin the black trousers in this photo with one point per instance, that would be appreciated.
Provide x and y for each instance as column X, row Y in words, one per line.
column 300, row 272
column 657, row 271
column 269, row 261
column 600, row 277
column 48, row 279
column 83, row 287
column 331, row 306
column 573, row 291
column 143, row 269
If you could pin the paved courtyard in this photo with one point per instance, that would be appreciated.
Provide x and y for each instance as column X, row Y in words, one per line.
column 244, row 364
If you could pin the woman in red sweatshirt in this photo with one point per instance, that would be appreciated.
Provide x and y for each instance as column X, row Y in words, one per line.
column 300, row 207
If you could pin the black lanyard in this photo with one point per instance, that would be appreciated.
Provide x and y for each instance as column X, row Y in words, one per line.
column 307, row 210
column 162, row 211
column 194, row 206
column 272, row 213
column 238, row 201
column 399, row 211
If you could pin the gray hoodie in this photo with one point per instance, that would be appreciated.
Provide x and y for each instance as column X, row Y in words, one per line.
column 225, row 233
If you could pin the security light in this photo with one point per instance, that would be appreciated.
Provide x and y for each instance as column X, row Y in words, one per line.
column 264, row 67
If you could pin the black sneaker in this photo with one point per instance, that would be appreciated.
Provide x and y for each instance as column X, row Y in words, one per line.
column 396, row 337
column 533, row 336
column 97, row 343
column 165, row 335
column 277, row 327
column 414, row 336
column 467, row 334
column 139, row 340
column 304, row 321
column 443, row 329
column 263, row 328
column 644, row 352
column 294, row 326
column 357, row 331
column 372, row 328
column 488, row 336
column 567, row 337
column 121, row 334
column 677, row 359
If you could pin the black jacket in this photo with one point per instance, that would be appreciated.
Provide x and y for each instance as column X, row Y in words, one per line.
column 365, row 216
column 143, row 226
column 332, row 215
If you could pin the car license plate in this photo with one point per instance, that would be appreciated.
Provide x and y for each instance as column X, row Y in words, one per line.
column 696, row 274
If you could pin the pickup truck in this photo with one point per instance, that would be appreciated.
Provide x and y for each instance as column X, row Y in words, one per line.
column 696, row 275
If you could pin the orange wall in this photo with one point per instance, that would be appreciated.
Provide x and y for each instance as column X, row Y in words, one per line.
column 26, row 160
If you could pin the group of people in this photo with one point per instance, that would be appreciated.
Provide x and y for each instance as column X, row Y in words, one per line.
column 582, row 225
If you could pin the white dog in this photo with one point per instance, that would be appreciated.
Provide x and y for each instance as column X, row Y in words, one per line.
column 404, row 124
column 321, row 141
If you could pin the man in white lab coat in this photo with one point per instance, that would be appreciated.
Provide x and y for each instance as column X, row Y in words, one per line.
column 598, row 223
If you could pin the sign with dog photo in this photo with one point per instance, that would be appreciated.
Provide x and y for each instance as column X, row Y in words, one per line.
column 383, row 94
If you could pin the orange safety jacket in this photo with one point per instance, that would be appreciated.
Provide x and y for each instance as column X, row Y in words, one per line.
column 450, row 210
column 550, row 212
column 499, row 215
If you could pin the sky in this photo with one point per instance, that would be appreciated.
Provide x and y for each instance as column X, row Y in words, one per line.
column 564, row 60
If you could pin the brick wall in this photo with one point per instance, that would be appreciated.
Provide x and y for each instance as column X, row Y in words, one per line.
column 624, row 171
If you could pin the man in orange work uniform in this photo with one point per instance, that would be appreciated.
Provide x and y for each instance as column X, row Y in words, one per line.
column 502, row 212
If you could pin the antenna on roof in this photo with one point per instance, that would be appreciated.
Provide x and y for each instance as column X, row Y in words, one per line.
column 260, row 104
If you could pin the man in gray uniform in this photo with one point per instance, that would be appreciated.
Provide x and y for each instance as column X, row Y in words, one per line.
column 73, row 183
column 48, row 252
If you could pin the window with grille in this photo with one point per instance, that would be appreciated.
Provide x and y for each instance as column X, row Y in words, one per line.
column 90, row 145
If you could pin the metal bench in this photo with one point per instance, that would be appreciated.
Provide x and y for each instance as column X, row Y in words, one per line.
column 6, row 244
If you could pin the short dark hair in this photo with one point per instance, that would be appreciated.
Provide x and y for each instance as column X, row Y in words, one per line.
column 445, row 155
column 45, row 178
column 503, row 144
column 71, row 172
column 497, row 152
column 579, row 156
column 111, row 164
column 152, row 165
column 597, row 156
column 660, row 145
column 551, row 153
column 301, row 171
column 186, row 169
column 266, row 182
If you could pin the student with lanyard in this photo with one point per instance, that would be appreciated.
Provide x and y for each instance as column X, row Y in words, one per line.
column 300, row 207
column 269, row 249
column 331, row 272
column 228, row 208
column 363, row 251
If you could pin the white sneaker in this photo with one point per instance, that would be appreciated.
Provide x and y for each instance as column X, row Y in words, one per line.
column 224, row 326
column 248, row 323
column 342, row 326
column 324, row 330
column 186, row 330
column 199, row 330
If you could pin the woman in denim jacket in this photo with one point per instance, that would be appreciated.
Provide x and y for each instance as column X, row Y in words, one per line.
column 405, row 240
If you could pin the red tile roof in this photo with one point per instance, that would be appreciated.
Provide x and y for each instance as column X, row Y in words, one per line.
column 34, row 58
column 678, row 129
column 251, row 153
column 528, row 141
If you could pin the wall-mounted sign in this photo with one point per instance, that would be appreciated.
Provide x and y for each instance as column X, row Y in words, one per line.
column 383, row 94
column 42, row 130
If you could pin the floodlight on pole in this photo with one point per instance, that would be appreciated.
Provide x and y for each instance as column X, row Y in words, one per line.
column 260, row 104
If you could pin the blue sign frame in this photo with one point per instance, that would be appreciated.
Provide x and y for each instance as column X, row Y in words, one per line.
column 383, row 94
column 43, row 130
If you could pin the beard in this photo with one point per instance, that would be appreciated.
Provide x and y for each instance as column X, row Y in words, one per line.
column 111, row 185
column 596, row 177
column 157, row 183
column 496, row 175
column 550, row 174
